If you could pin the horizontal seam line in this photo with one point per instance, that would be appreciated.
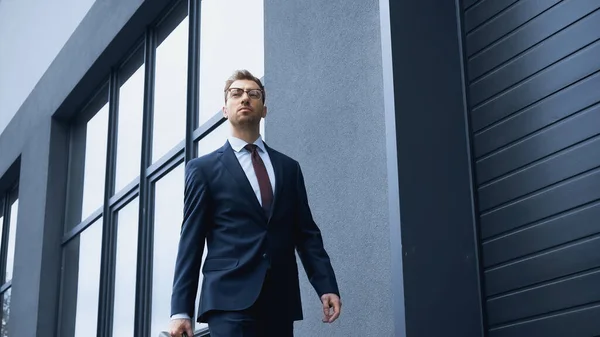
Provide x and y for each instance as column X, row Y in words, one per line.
column 480, row 77
column 574, row 309
column 509, row 33
column 543, row 190
column 540, row 190
column 579, row 176
column 497, row 14
column 543, row 129
column 545, row 251
column 540, row 222
column 545, row 283
column 538, row 161
column 532, row 105
column 535, row 75
column 473, row 5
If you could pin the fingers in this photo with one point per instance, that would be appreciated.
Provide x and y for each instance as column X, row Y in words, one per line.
column 337, row 307
column 184, row 333
column 181, row 328
column 326, row 309
column 331, row 308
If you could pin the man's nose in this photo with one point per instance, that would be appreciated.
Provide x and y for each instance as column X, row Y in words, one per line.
column 245, row 98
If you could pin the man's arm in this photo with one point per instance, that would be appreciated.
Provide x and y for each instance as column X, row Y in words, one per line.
column 309, row 244
column 196, row 221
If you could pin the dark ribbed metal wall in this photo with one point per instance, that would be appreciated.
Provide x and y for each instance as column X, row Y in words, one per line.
column 534, row 92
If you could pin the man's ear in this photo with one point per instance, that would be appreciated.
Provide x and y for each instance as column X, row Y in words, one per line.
column 264, row 114
column 225, row 113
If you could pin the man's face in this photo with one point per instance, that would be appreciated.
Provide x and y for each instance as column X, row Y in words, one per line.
column 243, row 107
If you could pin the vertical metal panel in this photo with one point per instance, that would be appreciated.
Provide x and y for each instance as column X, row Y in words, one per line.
column 436, row 192
column 535, row 106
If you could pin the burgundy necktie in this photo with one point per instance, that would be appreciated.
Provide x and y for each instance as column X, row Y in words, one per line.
column 266, row 191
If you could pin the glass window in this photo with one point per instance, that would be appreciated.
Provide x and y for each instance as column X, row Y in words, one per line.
column 167, row 225
column 95, row 162
column 125, row 270
column 226, row 47
column 12, row 229
column 5, row 312
column 88, row 282
column 83, row 251
column 215, row 139
column 129, row 141
column 170, row 91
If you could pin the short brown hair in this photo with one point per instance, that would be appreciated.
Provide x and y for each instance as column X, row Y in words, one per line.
column 244, row 74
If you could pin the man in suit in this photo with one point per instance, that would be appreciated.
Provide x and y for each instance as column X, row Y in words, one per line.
column 249, row 203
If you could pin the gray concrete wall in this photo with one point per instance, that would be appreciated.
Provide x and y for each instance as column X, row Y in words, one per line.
column 324, row 85
column 36, row 273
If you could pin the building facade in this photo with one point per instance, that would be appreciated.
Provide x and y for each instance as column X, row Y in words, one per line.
column 445, row 146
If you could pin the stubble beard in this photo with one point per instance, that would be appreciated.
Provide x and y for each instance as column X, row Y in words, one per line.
column 246, row 123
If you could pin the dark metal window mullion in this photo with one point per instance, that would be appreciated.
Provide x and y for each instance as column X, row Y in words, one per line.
column 5, row 211
column 193, row 82
column 143, row 298
column 209, row 126
column 107, row 265
column 5, row 288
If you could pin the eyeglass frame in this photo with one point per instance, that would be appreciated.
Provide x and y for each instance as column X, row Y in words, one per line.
column 262, row 92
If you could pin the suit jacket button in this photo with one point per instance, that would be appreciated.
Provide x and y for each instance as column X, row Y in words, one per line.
column 264, row 255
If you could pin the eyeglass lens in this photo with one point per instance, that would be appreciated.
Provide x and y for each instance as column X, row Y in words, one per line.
column 253, row 93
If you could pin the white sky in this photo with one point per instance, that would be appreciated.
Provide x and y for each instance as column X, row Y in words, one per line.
column 32, row 33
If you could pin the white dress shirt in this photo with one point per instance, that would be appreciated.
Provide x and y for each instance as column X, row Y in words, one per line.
column 245, row 159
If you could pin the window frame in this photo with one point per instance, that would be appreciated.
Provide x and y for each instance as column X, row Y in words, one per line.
column 142, row 52
column 143, row 186
column 7, row 199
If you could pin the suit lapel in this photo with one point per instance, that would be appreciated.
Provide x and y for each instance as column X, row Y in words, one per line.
column 278, row 169
column 232, row 165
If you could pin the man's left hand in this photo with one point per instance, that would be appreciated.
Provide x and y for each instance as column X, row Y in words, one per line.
column 332, row 305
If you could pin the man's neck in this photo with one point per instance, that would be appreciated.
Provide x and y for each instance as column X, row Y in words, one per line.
column 249, row 136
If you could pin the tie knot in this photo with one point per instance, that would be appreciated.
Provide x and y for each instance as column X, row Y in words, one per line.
column 251, row 147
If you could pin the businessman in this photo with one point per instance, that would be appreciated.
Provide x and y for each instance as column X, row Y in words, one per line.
column 249, row 203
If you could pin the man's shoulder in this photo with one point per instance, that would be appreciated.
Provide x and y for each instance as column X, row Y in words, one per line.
column 205, row 159
column 202, row 160
column 284, row 158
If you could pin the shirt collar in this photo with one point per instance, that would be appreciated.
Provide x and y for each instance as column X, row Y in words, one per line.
column 238, row 144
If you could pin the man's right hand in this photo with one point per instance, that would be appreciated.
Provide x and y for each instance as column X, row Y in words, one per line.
column 179, row 326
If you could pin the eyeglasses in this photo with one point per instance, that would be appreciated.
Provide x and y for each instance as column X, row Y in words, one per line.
column 238, row 92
